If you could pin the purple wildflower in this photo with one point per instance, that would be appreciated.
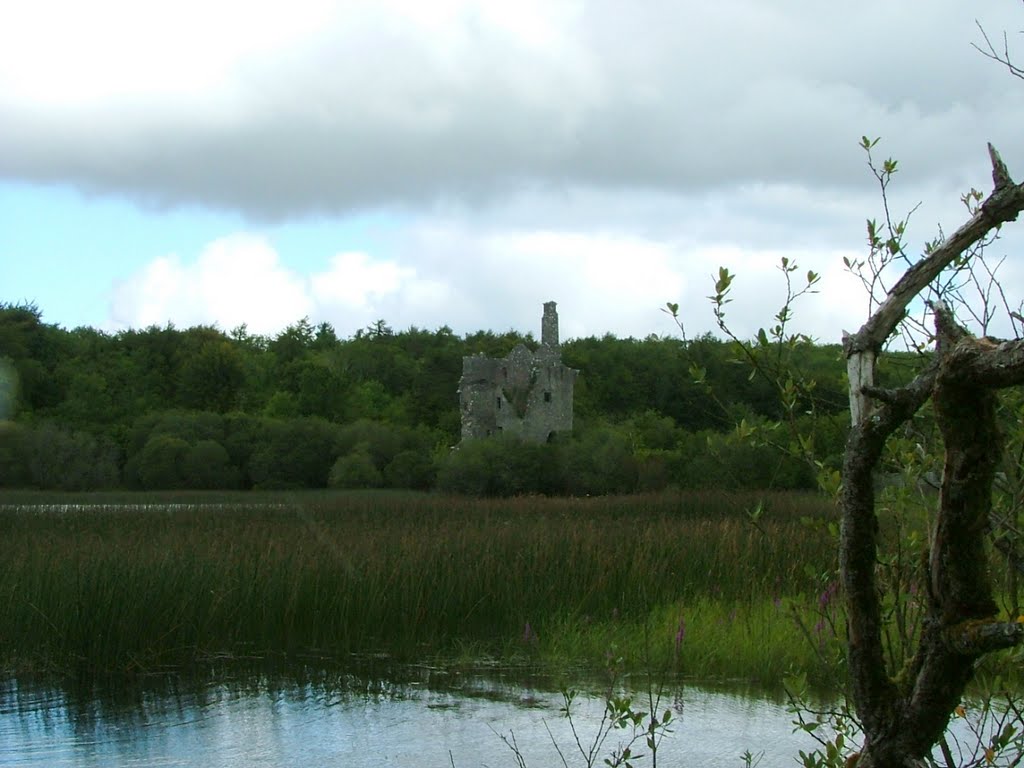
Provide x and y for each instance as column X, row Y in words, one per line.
column 825, row 599
column 680, row 634
column 819, row 629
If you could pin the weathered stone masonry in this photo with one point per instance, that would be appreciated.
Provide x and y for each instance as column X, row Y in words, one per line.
column 528, row 394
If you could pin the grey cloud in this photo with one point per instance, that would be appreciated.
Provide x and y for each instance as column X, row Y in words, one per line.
column 658, row 97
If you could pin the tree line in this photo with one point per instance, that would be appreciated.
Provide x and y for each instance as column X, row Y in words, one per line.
column 169, row 408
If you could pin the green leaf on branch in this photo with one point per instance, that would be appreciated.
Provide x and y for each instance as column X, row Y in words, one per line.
column 724, row 281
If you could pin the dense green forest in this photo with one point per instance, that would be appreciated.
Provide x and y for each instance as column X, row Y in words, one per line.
column 199, row 408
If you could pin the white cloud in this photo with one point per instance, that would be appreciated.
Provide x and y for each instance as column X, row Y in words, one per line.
column 605, row 282
column 112, row 53
column 353, row 280
column 236, row 279
column 473, row 281
column 494, row 272
column 613, row 282
column 240, row 279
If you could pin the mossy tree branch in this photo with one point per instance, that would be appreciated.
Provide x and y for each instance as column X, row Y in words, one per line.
column 903, row 720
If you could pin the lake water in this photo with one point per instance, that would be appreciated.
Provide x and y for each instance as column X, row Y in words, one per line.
column 432, row 719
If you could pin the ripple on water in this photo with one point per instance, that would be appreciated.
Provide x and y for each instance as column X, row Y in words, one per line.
column 353, row 723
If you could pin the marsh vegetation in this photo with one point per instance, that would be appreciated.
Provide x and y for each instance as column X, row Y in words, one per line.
column 706, row 584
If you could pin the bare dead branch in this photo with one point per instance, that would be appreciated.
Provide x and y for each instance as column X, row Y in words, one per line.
column 989, row 52
column 1000, row 175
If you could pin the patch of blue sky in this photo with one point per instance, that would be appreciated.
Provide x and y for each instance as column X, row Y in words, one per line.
column 306, row 245
column 65, row 250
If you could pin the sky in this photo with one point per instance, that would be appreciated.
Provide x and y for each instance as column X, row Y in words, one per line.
column 460, row 162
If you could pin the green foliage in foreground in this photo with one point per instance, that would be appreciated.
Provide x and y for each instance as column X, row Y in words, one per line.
column 683, row 581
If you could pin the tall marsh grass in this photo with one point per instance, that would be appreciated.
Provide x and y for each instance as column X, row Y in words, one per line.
column 124, row 586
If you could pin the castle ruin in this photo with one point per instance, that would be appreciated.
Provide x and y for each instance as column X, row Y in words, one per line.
column 527, row 394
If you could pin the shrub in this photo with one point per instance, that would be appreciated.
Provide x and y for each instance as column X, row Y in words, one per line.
column 499, row 466
column 411, row 469
column 298, row 453
column 207, row 466
column 355, row 470
column 600, row 462
column 161, row 465
column 244, row 436
column 14, row 441
column 190, row 426
column 656, row 469
column 726, row 463
column 70, row 461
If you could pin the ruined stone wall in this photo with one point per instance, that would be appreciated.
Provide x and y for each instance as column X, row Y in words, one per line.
column 477, row 394
column 528, row 394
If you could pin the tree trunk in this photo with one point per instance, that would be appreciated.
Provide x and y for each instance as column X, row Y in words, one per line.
column 904, row 717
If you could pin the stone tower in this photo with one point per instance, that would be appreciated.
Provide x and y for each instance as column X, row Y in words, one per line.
column 549, row 325
column 528, row 394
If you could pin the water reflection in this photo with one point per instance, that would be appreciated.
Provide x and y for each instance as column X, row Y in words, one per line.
column 421, row 717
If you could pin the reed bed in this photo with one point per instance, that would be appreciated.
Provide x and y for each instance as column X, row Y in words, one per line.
column 136, row 583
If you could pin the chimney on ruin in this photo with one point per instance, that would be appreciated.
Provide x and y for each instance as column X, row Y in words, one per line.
column 549, row 325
